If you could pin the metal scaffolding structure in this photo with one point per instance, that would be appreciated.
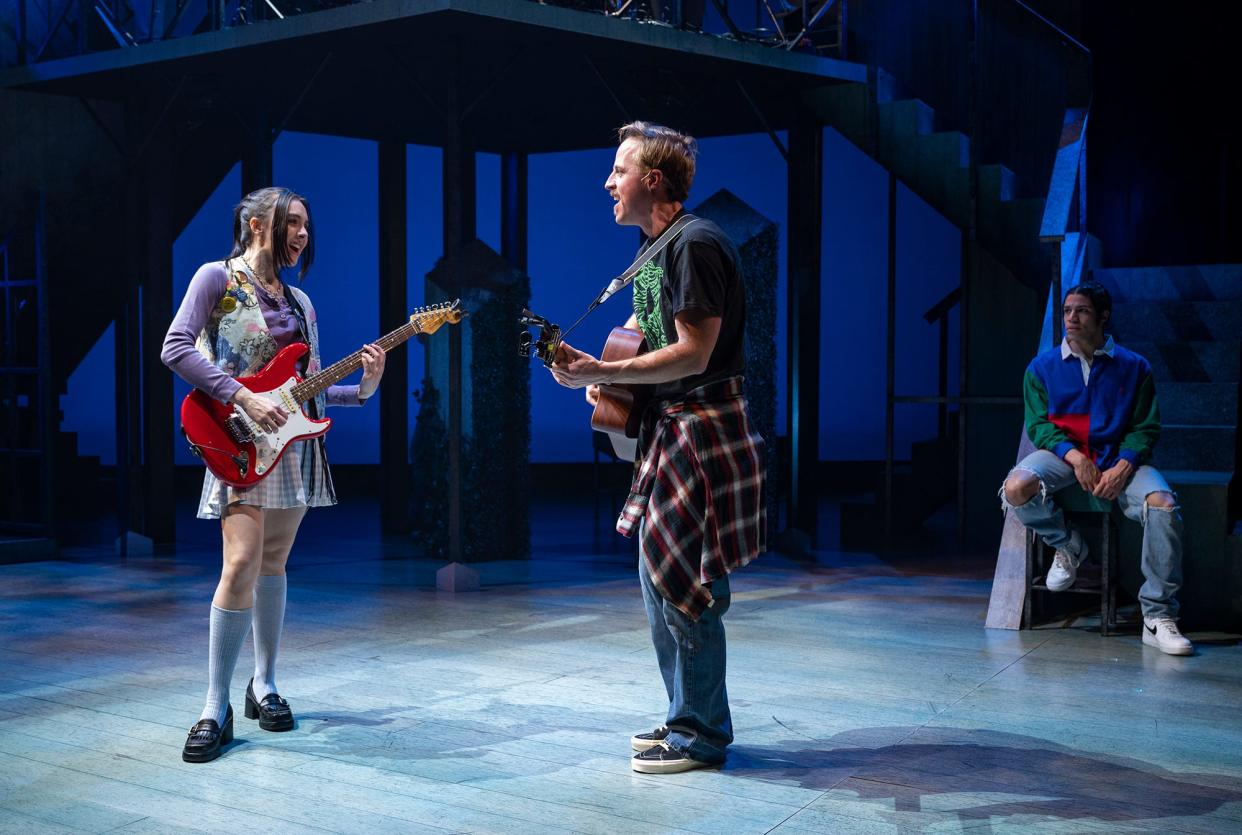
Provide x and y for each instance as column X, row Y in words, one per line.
column 509, row 77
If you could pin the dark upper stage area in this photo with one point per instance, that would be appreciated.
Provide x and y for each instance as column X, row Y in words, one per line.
column 525, row 77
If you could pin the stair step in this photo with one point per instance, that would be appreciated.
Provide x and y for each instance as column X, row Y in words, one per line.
column 887, row 87
column 1012, row 226
column 948, row 148
column 996, row 182
column 907, row 117
column 1176, row 321
column 1188, row 447
column 1207, row 282
column 1198, row 403
column 902, row 124
column 936, row 174
column 1191, row 361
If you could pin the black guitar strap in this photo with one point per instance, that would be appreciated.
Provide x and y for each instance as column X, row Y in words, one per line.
column 312, row 405
column 304, row 330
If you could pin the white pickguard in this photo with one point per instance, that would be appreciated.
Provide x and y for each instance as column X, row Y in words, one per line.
column 268, row 445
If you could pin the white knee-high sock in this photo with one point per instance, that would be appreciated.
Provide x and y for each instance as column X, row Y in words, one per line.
column 269, row 620
column 227, row 633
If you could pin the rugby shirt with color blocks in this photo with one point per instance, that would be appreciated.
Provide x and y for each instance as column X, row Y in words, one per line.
column 1112, row 415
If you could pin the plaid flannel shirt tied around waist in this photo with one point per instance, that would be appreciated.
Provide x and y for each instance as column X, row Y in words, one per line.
column 700, row 488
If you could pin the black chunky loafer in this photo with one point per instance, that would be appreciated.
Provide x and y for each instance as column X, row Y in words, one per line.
column 203, row 743
column 273, row 712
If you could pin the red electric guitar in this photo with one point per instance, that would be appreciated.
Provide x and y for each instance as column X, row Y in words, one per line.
column 237, row 450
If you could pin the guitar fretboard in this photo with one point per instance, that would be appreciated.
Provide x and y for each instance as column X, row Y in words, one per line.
column 423, row 322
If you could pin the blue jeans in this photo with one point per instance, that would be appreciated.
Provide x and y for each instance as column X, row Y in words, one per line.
column 1161, row 560
column 691, row 656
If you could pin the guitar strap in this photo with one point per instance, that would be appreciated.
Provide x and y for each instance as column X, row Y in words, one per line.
column 304, row 329
column 622, row 281
column 312, row 405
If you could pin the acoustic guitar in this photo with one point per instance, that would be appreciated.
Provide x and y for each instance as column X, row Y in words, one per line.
column 619, row 410
column 237, row 449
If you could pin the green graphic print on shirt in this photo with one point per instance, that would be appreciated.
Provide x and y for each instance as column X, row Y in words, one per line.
column 647, row 305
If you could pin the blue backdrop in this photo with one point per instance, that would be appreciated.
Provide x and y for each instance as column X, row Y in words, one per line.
column 574, row 249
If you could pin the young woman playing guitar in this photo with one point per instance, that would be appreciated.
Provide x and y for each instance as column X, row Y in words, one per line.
column 236, row 315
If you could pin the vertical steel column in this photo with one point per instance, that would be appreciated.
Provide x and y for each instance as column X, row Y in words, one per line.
column 394, row 397
column 145, row 483
column 128, row 362
column 85, row 7
column 513, row 208
column 155, row 176
column 459, row 229
column 806, row 166
column 217, row 11
column 256, row 161
column 47, row 406
column 968, row 257
column 890, row 367
column 22, row 54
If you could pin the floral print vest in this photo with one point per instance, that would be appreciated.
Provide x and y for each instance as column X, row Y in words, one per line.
column 236, row 339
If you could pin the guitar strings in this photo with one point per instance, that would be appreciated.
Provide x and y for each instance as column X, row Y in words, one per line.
column 341, row 369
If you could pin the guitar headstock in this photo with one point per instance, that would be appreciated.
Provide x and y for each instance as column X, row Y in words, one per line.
column 548, row 343
column 429, row 319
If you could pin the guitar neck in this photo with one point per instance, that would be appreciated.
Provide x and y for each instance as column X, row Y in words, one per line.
column 333, row 374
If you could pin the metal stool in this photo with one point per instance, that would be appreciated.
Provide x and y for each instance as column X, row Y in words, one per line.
column 1076, row 503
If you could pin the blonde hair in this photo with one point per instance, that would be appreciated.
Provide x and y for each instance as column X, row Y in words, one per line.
column 667, row 151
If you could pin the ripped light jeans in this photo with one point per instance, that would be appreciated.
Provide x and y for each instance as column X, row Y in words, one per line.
column 1161, row 560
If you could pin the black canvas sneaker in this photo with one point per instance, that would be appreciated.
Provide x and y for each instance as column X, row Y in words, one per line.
column 661, row 759
column 641, row 742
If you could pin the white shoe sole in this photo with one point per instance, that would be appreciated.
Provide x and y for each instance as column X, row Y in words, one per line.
column 1059, row 586
column 1152, row 642
column 674, row 767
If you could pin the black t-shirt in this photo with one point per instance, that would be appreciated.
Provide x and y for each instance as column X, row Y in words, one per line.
column 700, row 271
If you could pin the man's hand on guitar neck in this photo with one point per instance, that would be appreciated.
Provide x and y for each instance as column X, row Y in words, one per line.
column 262, row 411
column 575, row 369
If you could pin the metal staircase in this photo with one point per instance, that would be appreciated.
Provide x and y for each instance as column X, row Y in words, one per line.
column 976, row 108
column 27, row 453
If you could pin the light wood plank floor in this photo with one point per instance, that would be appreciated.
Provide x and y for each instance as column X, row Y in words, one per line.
column 865, row 699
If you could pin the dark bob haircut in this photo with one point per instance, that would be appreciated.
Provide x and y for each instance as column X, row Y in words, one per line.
column 257, row 204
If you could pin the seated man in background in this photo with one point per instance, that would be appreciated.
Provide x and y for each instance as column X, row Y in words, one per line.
column 1091, row 411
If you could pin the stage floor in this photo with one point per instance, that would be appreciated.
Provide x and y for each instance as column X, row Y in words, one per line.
column 867, row 697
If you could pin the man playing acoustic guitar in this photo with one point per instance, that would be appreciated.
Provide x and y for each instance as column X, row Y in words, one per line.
column 697, row 498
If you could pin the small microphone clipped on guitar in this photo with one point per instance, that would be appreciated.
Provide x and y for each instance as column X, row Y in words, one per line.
column 545, row 347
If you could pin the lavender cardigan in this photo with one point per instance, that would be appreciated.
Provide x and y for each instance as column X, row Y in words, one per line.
column 181, row 355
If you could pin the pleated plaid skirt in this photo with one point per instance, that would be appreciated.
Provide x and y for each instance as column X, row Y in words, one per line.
column 301, row 477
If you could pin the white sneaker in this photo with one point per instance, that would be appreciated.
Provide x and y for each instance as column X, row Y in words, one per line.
column 1162, row 633
column 1064, row 570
